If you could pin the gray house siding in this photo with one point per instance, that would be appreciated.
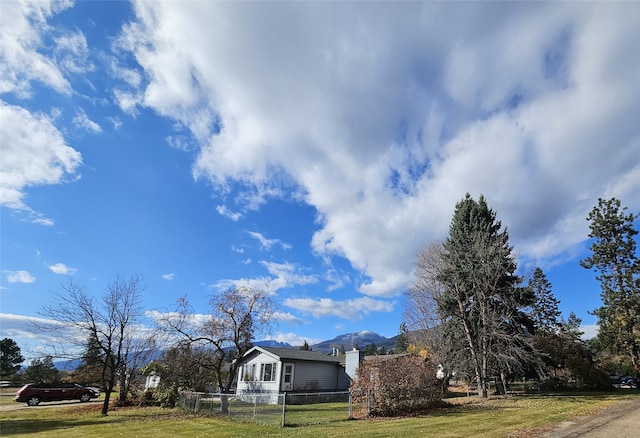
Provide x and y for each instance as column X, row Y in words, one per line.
column 310, row 376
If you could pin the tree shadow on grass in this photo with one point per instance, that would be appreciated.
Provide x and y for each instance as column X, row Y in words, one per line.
column 22, row 426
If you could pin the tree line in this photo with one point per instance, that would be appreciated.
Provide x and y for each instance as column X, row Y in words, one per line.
column 469, row 307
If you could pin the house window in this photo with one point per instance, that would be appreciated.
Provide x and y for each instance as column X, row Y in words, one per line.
column 288, row 373
column 268, row 372
column 248, row 372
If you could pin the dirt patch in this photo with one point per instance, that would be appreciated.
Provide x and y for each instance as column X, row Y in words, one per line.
column 621, row 420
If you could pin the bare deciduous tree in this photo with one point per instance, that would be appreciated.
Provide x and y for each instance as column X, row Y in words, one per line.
column 236, row 316
column 421, row 298
column 112, row 321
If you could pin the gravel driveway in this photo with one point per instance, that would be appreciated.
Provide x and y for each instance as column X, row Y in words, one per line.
column 619, row 421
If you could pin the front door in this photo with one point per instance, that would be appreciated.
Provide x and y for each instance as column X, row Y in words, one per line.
column 287, row 377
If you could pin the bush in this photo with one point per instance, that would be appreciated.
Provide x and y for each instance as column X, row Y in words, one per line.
column 166, row 395
column 396, row 385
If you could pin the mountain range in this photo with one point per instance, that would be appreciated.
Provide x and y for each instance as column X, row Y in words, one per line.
column 348, row 341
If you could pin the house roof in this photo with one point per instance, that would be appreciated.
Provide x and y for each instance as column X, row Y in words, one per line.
column 294, row 354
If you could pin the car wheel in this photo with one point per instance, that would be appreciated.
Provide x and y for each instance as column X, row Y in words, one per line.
column 85, row 397
column 34, row 400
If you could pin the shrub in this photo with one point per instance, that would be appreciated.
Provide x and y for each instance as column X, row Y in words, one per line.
column 166, row 394
column 397, row 385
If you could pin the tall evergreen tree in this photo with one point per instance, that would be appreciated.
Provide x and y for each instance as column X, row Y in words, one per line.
column 614, row 258
column 545, row 311
column 482, row 302
column 93, row 354
column 402, row 341
column 570, row 329
column 10, row 358
column 92, row 368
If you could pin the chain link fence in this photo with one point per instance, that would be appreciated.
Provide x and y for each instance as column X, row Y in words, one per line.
column 296, row 409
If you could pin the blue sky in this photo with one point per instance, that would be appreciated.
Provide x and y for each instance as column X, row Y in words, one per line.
column 307, row 148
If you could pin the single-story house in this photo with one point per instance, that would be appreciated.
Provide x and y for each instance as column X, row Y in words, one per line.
column 271, row 370
column 152, row 381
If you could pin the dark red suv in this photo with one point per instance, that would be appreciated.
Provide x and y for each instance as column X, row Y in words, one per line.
column 34, row 393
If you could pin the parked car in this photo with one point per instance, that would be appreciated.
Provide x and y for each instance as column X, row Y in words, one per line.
column 631, row 382
column 34, row 393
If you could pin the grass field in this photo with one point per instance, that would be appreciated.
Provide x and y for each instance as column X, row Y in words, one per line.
column 496, row 417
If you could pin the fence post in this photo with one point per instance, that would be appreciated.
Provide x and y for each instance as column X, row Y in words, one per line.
column 350, row 407
column 284, row 404
column 255, row 406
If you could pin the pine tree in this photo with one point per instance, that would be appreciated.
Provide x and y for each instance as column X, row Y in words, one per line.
column 482, row 304
column 545, row 311
column 402, row 341
column 91, row 370
column 10, row 358
column 41, row 370
column 614, row 258
column 570, row 330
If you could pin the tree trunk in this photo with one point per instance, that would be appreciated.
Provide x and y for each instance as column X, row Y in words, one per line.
column 503, row 379
column 107, row 397
column 124, row 387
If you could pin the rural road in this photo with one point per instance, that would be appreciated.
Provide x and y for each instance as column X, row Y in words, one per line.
column 619, row 421
column 16, row 406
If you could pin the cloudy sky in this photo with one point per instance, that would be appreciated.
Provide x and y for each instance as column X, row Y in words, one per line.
column 307, row 148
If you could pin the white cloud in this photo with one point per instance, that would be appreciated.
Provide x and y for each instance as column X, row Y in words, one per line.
column 62, row 269
column 24, row 331
column 287, row 275
column 19, row 277
column 82, row 121
column 223, row 210
column 127, row 101
column 336, row 280
column 33, row 153
column 266, row 244
column 115, row 121
column 168, row 277
column 282, row 276
column 72, row 53
column 346, row 309
column 294, row 339
column 287, row 317
column 179, row 142
column 237, row 249
column 24, row 26
column 193, row 321
column 383, row 120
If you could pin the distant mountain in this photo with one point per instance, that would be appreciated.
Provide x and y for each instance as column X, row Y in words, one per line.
column 67, row 365
column 74, row 364
column 271, row 343
column 353, row 340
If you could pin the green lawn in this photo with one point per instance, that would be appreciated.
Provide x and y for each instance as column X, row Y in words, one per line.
column 467, row 417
